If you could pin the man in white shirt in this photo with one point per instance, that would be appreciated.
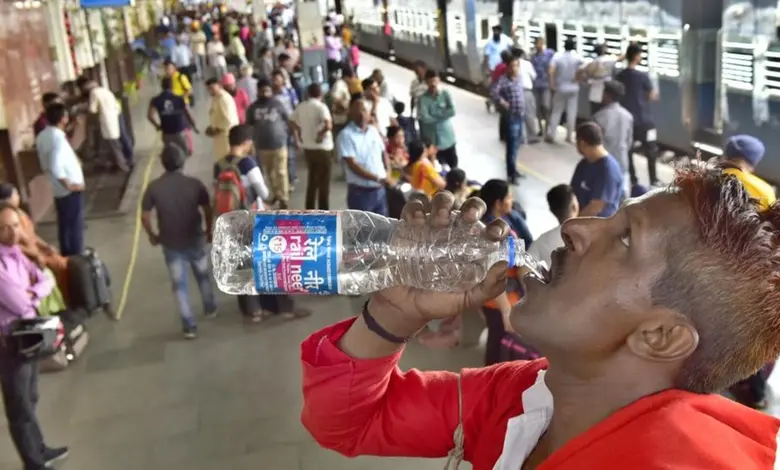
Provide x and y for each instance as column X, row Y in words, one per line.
column 181, row 56
column 381, row 110
column 565, row 87
column 527, row 77
column 104, row 104
column 198, row 45
column 339, row 98
column 215, row 51
column 62, row 166
column 598, row 72
column 313, row 127
column 564, row 206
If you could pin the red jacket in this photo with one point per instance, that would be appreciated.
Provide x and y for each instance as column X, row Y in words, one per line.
column 370, row 407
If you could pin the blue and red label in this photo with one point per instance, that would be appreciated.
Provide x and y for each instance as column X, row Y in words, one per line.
column 297, row 253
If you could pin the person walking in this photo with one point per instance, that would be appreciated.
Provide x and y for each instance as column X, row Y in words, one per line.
column 181, row 204
column 565, row 88
column 103, row 104
column 175, row 119
column 60, row 163
column 223, row 114
column 270, row 118
column 314, row 125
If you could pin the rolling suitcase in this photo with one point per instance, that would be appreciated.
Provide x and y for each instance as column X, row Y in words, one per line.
column 89, row 283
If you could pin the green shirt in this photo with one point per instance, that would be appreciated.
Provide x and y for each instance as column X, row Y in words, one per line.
column 435, row 113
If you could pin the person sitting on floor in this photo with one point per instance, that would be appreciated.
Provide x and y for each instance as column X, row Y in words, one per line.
column 33, row 246
column 421, row 171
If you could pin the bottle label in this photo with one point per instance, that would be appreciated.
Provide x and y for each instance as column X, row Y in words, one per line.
column 297, row 253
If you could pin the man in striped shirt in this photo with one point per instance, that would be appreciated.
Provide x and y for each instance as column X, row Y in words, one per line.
column 508, row 96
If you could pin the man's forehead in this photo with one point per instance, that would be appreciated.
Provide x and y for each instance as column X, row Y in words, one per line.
column 666, row 204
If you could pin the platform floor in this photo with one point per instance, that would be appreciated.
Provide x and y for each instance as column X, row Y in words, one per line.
column 144, row 398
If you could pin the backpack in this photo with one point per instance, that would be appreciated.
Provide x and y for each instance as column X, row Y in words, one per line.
column 230, row 193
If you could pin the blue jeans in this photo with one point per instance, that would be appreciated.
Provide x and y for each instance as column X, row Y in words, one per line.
column 514, row 138
column 367, row 199
column 177, row 262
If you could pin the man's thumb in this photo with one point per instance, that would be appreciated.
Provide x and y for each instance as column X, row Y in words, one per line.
column 491, row 287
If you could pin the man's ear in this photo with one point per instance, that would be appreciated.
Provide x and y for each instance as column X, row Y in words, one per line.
column 666, row 337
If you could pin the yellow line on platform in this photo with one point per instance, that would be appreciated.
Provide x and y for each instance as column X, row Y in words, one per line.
column 540, row 176
column 137, row 233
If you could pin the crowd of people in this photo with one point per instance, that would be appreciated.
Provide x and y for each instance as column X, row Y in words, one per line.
column 261, row 119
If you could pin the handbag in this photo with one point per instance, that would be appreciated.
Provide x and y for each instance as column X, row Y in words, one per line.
column 35, row 338
column 54, row 302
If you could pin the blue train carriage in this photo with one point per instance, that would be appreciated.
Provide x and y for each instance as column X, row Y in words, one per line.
column 469, row 25
column 418, row 31
column 746, row 99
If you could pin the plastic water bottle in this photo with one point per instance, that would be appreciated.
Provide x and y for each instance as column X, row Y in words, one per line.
column 351, row 253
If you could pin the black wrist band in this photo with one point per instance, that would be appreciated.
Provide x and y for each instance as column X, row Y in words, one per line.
column 376, row 328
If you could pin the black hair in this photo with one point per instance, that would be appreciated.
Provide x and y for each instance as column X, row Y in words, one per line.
column 6, row 191
column 615, row 90
column 493, row 191
column 356, row 97
column 392, row 131
column 55, row 112
column 518, row 52
column 262, row 83
column 455, row 179
column 590, row 133
column 569, row 44
column 49, row 97
column 168, row 62
column 416, row 151
column 429, row 74
column 346, row 71
column 506, row 56
column 283, row 57
column 82, row 81
column 240, row 134
column 212, row 81
column 559, row 200
column 314, row 90
column 366, row 83
column 632, row 51
column 497, row 28
column 173, row 157
column 600, row 49
column 166, row 83
column 399, row 107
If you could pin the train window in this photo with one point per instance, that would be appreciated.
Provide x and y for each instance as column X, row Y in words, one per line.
column 666, row 55
column 737, row 65
column 484, row 29
column 613, row 39
column 772, row 70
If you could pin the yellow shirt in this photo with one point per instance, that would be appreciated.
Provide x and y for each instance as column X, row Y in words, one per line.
column 755, row 186
column 355, row 85
column 181, row 86
column 346, row 36
column 423, row 175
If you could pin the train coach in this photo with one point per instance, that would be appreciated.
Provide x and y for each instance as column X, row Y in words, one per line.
column 716, row 63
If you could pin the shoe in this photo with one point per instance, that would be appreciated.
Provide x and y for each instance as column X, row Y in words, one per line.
column 210, row 315
column 55, row 455
column 190, row 333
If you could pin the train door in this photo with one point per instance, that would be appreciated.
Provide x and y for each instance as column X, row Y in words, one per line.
column 551, row 36
column 462, row 40
column 441, row 24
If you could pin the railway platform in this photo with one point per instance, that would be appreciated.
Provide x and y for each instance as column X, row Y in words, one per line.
column 144, row 398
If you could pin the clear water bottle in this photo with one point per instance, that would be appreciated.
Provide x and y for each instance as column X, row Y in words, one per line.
column 351, row 253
